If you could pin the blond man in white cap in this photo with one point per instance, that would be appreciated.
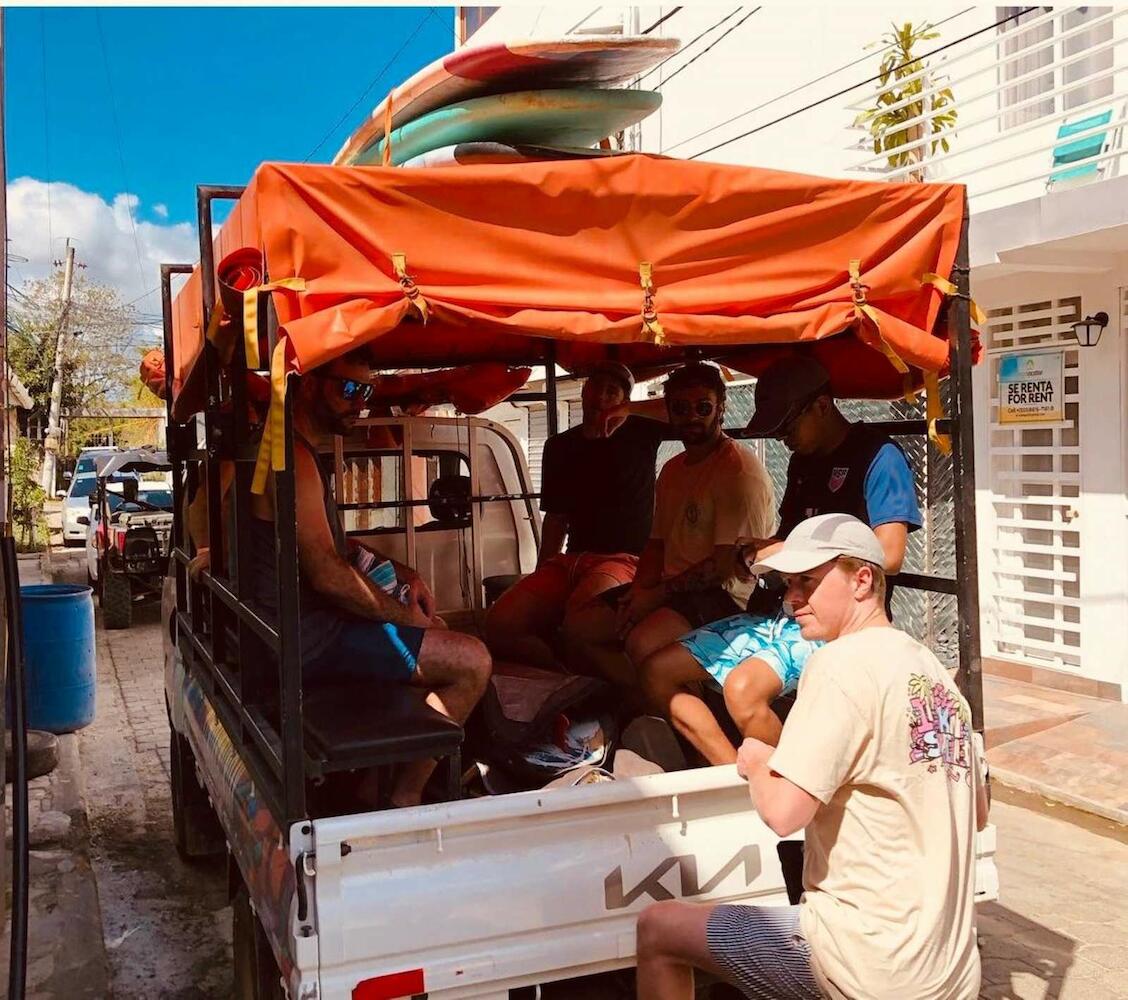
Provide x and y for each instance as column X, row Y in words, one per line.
column 878, row 764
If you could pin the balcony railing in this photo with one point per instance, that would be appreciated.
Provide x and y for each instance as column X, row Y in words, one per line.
column 1041, row 105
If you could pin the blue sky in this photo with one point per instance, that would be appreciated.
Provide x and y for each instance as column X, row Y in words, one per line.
column 194, row 95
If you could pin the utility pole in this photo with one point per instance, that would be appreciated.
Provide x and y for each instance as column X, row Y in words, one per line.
column 54, row 414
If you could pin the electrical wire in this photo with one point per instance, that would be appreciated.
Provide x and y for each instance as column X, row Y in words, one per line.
column 662, row 20
column 688, row 45
column 117, row 139
column 716, row 41
column 802, row 86
column 430, row 12
column 873, row 79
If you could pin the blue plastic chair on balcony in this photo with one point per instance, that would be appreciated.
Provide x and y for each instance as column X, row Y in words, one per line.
column 1080, row 150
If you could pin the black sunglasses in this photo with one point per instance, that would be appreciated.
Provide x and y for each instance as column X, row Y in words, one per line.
column 682, row 407
column 352, row 389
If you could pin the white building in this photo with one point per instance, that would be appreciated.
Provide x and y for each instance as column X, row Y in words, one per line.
column 1040, row 96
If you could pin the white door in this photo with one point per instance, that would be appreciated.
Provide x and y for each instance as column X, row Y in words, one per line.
column 1032, row 600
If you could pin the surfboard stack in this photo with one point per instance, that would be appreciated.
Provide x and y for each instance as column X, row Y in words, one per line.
column 512, row 102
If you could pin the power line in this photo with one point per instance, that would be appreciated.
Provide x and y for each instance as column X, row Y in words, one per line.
column 117, row 139
column 715, row 42
column 688, row 45
column 872, row 79
column 802, row 86
column 662, row 20
column 46, row 132
column 376, row 79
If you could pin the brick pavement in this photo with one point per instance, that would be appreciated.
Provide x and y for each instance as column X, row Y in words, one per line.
column 1067, row 747
column 167, row 924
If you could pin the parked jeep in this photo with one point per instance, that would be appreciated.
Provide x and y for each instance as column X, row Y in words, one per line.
column 131, row 523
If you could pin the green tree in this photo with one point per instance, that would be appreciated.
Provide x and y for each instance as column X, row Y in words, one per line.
column 100, row 354
column 27, row 497
column 894, row 121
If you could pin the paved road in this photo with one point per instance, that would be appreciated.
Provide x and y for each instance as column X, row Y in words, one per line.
column 166, row 924
column 1057, row 934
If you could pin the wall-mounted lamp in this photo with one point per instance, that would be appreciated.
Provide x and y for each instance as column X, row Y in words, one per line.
column 1089, row 330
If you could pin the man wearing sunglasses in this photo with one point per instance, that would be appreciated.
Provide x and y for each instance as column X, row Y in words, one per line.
column 353, row 630
column 707, row 497
column 836, row 467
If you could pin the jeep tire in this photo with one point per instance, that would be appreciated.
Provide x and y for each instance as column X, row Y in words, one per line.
column 117, row 600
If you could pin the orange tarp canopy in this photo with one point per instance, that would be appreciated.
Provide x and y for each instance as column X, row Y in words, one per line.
column 500, row 257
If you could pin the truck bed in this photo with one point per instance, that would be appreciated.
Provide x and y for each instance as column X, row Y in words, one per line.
column 473, row 898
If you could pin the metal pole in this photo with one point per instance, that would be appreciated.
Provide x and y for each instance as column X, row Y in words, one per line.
column 289, row 631
column 963, row 470
column 550, row 388
column 51, row 445
column 5, row 372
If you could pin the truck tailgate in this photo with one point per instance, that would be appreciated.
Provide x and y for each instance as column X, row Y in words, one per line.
column 529, row 887
column 469, row 899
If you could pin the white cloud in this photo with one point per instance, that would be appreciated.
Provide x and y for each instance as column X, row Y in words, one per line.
column 103, row 237
column 161, row 211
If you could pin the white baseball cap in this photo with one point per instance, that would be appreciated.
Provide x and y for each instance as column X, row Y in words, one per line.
column 820, row 539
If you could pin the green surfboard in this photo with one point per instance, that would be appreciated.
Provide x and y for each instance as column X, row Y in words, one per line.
column 538, row 117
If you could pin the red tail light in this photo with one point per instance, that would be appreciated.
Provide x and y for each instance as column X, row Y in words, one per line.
column 119, row 540
column 390, row 987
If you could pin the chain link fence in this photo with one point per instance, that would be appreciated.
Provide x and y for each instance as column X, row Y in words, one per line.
column 931, row 618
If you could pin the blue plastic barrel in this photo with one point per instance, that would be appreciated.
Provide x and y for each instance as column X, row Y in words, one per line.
column 58, row 630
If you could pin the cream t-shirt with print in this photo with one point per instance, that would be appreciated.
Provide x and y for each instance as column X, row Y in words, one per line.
column 709, row 503
column 882, row 738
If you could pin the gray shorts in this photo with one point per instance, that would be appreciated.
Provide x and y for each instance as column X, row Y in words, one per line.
column 763, row 952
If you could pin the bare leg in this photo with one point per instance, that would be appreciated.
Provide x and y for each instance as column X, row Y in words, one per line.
column 672, row 941
column 671, row 680
column 749, row 692
column 520, row 619
column 592, row 644
column 455, row 668
column 658, row 629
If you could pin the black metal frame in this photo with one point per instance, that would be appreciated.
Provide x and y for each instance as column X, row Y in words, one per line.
column 205, row 610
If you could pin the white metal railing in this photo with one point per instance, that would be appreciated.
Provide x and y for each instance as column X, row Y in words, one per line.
column 1000, row 158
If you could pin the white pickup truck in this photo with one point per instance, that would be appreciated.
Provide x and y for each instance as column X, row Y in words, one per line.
column 470, row 898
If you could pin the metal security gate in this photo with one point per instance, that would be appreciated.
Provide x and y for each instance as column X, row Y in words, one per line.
column 1033, row 599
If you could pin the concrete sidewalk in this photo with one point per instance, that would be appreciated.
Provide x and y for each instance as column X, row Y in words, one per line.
column 66, row 950
column 1064, row 747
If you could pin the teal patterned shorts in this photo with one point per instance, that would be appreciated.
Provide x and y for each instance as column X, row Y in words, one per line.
column 721, row 646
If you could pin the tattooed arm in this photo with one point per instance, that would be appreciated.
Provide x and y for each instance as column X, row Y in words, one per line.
column 715, row 571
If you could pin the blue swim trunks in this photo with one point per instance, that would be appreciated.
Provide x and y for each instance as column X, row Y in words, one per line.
column 721, row 646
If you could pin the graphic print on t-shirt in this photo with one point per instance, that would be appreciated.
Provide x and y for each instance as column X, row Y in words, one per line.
column 837, row 478
column 939, row 728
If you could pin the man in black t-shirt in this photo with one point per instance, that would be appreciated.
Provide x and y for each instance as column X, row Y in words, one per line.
column 597, row 491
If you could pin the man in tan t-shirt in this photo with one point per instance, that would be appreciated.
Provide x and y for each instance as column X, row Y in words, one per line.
column 877, row 761
column 712, row 494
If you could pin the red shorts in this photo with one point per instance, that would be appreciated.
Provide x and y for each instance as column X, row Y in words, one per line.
column 566, row 582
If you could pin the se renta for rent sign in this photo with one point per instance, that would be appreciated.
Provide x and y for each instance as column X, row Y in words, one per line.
column 1031, row 387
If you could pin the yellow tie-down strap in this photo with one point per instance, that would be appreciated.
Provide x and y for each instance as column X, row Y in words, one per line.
column 864, row 313
column 410, row 289
column 934, row 411
column 650, row 322
column 978, row 316
column 272, row 447
column 215, row 333
column 250, row 314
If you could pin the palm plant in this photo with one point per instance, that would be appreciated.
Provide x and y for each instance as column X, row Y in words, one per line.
column 906, row 108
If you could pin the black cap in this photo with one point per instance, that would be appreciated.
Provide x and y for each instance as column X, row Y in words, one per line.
column 782, row 391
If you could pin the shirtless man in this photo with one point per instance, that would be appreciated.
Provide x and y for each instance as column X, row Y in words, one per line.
column 352, row 629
